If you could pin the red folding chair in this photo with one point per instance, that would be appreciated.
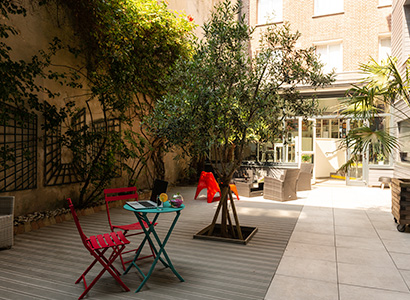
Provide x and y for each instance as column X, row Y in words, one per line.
column 98, row 245
column 128, row 193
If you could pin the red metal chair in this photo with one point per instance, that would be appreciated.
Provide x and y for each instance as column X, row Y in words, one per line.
column 98, row 245
column 128, row 193
column 207, row 181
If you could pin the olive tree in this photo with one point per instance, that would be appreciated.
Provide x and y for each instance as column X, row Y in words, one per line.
column 223, row 98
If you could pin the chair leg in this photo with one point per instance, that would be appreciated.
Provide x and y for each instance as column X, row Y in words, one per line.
column 82, row 276
column 107, row 266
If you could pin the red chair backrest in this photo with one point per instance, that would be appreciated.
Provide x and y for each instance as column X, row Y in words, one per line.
column 77, row 222
column 130, row 193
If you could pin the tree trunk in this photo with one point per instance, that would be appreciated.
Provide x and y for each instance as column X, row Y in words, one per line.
column 158, row 160
column 228, row 230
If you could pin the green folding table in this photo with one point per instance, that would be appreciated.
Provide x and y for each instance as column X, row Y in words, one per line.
column 142, row 216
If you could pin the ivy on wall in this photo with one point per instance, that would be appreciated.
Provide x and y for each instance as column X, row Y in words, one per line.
column 129, row 47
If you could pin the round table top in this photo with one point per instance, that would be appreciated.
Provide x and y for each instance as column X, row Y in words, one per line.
column 166, row 209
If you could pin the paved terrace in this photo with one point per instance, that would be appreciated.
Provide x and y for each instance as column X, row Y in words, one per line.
column 334, row 242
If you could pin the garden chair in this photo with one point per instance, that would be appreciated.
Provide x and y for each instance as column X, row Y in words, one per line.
column 305, row 177
column 6, row 222
column 283, row 188
column 207, row 181
column 98, row 245
column 118, row 194
column 247, row 185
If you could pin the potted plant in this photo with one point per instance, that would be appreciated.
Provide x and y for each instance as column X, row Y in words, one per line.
column 306, row 158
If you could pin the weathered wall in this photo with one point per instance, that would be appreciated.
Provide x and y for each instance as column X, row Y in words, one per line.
column 200, row 10
column 36, row 31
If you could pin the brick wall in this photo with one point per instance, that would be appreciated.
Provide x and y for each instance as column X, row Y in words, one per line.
column 358, row 27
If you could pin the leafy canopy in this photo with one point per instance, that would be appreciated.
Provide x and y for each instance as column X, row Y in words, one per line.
column 223, row 98
column 380, row 89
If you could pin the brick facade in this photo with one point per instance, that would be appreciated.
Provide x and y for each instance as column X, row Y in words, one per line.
column 358, row 27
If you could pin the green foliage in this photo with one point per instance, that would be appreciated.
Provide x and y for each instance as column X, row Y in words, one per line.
column 129, row 47
column 381, row 88
column 19, row 79
column 223, row 98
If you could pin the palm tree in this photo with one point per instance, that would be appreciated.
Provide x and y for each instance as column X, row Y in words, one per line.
column 383, row 87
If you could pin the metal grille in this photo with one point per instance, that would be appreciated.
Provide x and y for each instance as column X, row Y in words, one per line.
column 114, row 125
column 57, row 171
column 18, row 149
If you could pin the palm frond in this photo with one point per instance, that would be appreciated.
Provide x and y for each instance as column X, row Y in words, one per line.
column 359, row 140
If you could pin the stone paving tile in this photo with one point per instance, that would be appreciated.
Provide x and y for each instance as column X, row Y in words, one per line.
column 307, row 268
column 387, row 278
column 372, row 258
column 349, row 292
column 283, row 288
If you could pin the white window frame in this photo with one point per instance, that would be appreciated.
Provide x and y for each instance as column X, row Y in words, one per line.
column 333, row 8
column 381, row 55
column 264, row 17
column 385, row 2
column 339, row 67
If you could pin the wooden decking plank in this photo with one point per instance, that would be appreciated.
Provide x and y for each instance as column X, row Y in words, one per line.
column 212, row 270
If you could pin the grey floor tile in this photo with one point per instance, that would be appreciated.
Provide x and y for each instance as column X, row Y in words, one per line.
column 311, row 251
column 406, row 276
column 313, row 227
column 369, row 243
column 293, row 288
column 367, row 231
column 397, row 245
column 402, row 260
column 374, row 277
column 307, row 268
column 376, row 258
column 348, row 292
column 313, row 238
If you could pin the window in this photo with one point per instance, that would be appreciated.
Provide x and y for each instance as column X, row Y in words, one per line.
column 385, row 2
column 384, row 48
column 331, row 128
column 270, row 11
column 325, row 7
column 404, row 139
column 331, row 55
column 375, row 156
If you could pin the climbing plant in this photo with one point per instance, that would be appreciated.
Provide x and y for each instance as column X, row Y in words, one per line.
column 128, row 47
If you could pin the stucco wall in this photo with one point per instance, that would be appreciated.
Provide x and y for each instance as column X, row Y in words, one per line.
column 328, row 158
column 36, row 31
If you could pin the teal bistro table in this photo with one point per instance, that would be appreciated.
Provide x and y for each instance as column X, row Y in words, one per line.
column 142, row 216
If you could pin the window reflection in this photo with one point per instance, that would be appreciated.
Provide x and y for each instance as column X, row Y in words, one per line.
column 404, row 139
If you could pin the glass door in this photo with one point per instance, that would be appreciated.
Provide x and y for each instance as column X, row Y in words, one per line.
column 359, row 172
column 307, row 141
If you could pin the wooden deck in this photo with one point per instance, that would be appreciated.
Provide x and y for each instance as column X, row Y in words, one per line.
column 44, row 264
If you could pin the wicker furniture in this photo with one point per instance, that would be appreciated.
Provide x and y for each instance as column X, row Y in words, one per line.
column 6, row 222
column 247, row 185
column 305, row 177
column 249, row 189
column 283, row 188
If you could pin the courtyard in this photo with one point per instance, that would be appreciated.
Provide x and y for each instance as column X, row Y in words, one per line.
column 333, row 242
